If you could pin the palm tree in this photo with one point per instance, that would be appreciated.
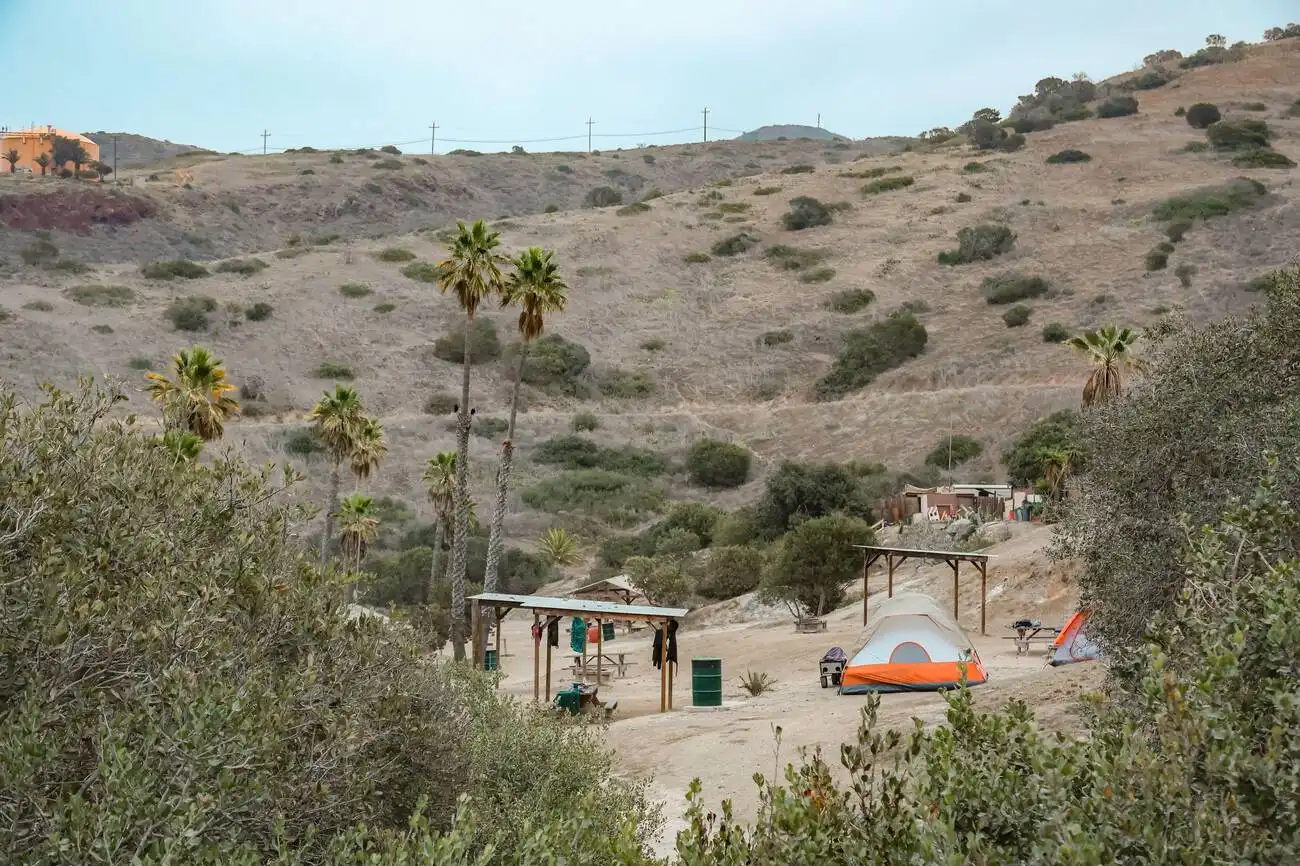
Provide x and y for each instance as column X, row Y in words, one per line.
column 1058, row 466
column 197, row 400
column 559, row 545
column 538, row 289
column 471, row 272
column 440, row 485
column 339, row 418
column 358, row 527
column 1110, row 351
column 368, row 450
column 43, row 160
column 11, row 156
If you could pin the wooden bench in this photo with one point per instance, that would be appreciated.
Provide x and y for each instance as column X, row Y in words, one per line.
column 809, row 624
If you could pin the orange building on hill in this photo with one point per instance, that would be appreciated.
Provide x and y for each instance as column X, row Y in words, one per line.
column 31, row 143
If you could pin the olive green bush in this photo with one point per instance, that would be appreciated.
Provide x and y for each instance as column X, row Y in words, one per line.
column 716, row 464
column 979, row 243
column 484, row 344
column 866, row 353
column 179, row 683
column 959, row 449
column 814, row 563
column 731, row 571
column 579, row 452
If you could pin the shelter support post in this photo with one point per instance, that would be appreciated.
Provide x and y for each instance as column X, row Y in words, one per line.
column 956, row 585
column 663, row 666
column 537, row 660
column 600, row 650
column 672, row 669
column 984, row 595
column 866, row 588
column 547, row 638
column 475, row 623
column 889, row 562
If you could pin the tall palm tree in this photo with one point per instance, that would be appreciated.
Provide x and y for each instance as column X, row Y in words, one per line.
column 368, row 449
column 537, row 287
column 358, row 527
column 43, row 160
column 1110, row 351
column 472, row 273
column 339, row 418
column 198, row 399
column 440, row 485
column 11, row 156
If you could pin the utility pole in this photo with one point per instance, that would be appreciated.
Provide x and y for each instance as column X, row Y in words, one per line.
column 819, row 120
column 116, row 179
column 589, row 123
column 433, row 138
column 265, row 136
column 706, row 123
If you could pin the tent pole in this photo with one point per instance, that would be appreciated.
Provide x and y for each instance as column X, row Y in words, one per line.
column 537, row 663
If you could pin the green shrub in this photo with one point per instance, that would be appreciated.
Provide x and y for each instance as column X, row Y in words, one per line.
column 636, row 207
column 1180, row 111
column 1196, row 147
column 654, row 344
column 387, row 164
column 868, row 173
column 974, row 167
column 963, row 197
column 258, row 312
column 484, row 344
column 819, row 275
column 1176, row 229
column 1012, row 143
column 623, row 384
column 140, row 364
column 616, row 498
column 1211, row 201
column 38, row 306
column 1254, row 106
column 798, row 169
column 776, row 338
column 731, row 571
column 190, row 314
column 734, row 244
column 244, row 267
column 395, row 255
column 954, row 450
column 354, row 290
column 1017, row 316
column 1055, row 332
column 551, row 208
column 602, row 196
column 171, row 269
column 817, row 559
column 767, row 190
column 291, row 252
column 553, row 363
column 1156, row 260
column 1117, row 106
column 441, row 404
column 1263, row 159
column 868, row 352
column 102, row 329
column 696, row 258
column 979, row 243
column 806, row 212
column 1148, row 80
column 1202, row 115
column 715, row 464
column 1011, row 287
column 333, row 370
column 1239, row 135
column 1067, row 156
column 789, row 258
column 734, row 206
column 584, row 422
column 421, row 272
column 1185, row 272
column 101, row 295
column 484, row 426
column 886, row 184
column 850, row 301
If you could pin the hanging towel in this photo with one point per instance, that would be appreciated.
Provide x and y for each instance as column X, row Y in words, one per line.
column 578, row 635
column 656, row 650
column 553, row 633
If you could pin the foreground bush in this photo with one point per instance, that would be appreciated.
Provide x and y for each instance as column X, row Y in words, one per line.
column 167, row 644
column 1239, row 135
column 806, row 212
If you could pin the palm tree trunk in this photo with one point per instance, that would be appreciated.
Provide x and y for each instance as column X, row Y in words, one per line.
column 439, row 533
column 335, row 481
column 496, row 535
column 460, row 536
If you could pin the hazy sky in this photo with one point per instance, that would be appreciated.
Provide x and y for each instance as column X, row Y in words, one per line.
column 333, row 73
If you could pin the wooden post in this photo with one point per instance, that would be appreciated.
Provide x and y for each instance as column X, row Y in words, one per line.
column 889, row 561
column 865, row 587
column 548, row 657
column 956, row 571
column 498, row 637
column 663, row 666
column 672, row 669
column 984, row 597
column 537, row 663
column 600, row 650
column 475, row 616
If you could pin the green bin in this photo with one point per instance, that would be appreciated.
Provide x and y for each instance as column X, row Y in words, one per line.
column 706, row 682
column 489, row 659
column 607, row 631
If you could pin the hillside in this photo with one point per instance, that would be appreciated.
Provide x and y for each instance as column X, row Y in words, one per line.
column 135, row 151
column 730, row 346
column 789, row 131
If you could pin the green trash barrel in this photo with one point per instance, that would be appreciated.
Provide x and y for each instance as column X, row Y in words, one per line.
column 706, row 682
column 489, row 659
column 608, row 631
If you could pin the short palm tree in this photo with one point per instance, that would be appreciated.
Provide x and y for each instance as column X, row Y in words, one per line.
column 559, row 546
column 197, row 399
column 43, row 160
column 440, row 485
column 538, row 289
column 11, row 156
column 472, row 273
column 1058, row 465
column 183, row 445
column 1110, row 351
column 368, row 450
column 358, row 527
column 339, row 418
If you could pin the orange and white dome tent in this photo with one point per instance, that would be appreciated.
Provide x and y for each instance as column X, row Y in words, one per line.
column 914, row 646
column 1072, row 643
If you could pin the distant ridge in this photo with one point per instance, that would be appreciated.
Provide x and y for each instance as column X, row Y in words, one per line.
column 790, row 132
column 136, row 151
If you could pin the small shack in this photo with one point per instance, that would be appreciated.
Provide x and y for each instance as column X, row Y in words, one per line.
column 547, row 610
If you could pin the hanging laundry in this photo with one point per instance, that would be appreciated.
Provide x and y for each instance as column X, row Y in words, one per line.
column 578, row 635
column 657, row 648
column 553, row 633
column 537, row 633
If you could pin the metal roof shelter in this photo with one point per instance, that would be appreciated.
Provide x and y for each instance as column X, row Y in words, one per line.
column 549, row 609
column 896, row 556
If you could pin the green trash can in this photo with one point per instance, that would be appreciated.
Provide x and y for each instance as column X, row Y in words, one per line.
column 489, row 659
column 706, row 682
column 607, row 631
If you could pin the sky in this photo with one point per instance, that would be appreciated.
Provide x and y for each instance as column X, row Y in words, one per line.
column 492, row 73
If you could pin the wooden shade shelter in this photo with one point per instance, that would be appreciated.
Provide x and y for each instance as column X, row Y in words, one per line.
column 547, row 609
column 896, row 556
column 618, row 589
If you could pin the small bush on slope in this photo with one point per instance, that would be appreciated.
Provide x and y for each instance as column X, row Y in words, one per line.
column 716, row 464
column 1211, row 201
column 259, row 725
column 979, row 243
column 962, row 449
column 868, row 352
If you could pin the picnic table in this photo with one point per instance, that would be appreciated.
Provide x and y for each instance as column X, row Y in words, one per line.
column 1029, row 630
column 615, row 661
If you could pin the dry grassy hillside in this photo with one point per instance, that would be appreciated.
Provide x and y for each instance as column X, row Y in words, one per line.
column 696, row 329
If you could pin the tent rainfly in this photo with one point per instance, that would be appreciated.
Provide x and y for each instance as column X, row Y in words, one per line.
column 913, row 646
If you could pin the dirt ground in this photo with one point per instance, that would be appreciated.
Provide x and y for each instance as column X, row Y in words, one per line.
column 724, row 747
